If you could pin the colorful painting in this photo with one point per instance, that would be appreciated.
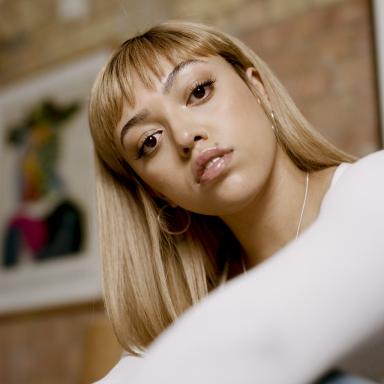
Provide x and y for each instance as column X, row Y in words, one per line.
column 57, row 230
column 48, row 252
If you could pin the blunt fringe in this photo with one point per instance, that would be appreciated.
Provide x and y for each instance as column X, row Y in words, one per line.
column 149, row 277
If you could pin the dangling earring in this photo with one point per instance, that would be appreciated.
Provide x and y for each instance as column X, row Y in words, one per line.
column 274, row 123
column 272, row 116
column 165, row 215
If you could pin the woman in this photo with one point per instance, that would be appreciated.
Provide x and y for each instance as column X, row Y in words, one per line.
column 205, row 169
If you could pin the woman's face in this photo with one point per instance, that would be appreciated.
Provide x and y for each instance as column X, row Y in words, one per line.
column 199, row 138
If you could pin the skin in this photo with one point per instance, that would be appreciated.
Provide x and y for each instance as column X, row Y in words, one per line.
column 260, row 193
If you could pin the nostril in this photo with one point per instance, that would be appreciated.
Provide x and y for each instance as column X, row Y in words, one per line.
column 185, row 151
column 197, row 138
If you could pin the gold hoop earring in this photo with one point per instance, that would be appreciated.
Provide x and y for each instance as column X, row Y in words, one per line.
column 164, row 217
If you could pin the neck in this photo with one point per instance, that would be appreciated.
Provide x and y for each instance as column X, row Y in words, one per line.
column 270, row 221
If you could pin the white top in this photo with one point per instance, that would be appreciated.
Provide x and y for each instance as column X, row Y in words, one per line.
column 298, row 313
column 124, row 371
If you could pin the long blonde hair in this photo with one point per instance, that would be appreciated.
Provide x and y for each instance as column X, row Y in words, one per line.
column 151, row 277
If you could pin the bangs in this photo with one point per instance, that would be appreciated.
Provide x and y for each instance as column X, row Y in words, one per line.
column 143, row 56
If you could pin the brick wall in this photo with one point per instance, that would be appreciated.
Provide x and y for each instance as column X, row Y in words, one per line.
column 324, row 56
column 320, row 49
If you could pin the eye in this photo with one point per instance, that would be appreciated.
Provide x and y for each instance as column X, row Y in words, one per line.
column 149, row 143
column 201, row 91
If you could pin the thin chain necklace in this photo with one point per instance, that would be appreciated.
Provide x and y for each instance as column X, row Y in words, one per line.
column 300, row 219
column 303, row 207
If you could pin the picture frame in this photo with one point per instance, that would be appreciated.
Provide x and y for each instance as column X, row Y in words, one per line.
column 378, row 18
column 30, row 283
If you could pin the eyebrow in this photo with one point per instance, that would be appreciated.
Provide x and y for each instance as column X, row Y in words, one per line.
column 138, row 118
column 173, row 74
column 142, row 115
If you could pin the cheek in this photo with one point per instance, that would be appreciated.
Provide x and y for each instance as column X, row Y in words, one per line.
column 160, row 181
column 238, row 108
column 163, row 174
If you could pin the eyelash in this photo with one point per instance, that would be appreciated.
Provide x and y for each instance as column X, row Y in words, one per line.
column 207, row 83
column 141, row 152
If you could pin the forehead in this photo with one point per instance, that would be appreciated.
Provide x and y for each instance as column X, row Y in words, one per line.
column 167, row 73
column 156, row 78
column 145, row 83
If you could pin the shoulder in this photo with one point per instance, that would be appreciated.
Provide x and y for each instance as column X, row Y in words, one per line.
column 126, row 369
column 361, row 182
column 369, row 166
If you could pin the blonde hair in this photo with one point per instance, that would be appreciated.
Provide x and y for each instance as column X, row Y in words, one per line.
column 150, row 277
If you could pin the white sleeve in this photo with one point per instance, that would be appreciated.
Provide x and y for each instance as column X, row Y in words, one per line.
column 288, row 320
column 124, row 371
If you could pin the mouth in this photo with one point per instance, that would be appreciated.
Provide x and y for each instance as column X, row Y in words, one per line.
column 210, row 164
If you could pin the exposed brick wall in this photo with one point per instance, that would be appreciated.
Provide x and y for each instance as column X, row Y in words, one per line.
column 324, row 56
column 33, row 37
column 59, row 347
column 320, row 49
column 45, row 349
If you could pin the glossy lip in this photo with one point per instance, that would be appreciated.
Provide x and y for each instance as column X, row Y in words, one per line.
column 199, row 164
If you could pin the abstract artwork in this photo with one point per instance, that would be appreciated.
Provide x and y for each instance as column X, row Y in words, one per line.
column 48, row 253
column 57, row 230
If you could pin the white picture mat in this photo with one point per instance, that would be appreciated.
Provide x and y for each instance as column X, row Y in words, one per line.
column 64, row 280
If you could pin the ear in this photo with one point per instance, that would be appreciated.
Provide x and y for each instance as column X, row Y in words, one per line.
column 254, row 78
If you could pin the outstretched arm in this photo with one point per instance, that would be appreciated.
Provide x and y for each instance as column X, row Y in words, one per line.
column 292, row 317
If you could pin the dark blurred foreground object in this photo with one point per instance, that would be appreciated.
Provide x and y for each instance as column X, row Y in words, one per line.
column 338, row 377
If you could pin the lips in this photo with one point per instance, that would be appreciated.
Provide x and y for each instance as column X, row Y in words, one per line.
column 210, row 163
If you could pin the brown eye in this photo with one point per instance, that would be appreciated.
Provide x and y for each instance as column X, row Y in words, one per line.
column 149, row 144
column 199, row 92
column 150, row 141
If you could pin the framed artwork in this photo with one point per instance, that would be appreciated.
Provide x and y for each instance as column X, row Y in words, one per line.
column 47, row 209
column 378, row 14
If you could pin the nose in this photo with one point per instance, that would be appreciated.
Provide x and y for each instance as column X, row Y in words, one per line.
column 187, row 137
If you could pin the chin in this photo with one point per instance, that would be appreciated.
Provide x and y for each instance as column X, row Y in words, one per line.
column 232, row 195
